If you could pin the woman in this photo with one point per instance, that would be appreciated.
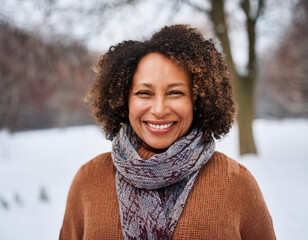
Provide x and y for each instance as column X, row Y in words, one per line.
column 162, row 101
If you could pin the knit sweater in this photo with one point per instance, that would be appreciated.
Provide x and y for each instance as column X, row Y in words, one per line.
column 224, row 203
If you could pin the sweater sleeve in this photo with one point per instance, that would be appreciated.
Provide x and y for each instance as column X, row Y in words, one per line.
column 256, row 222
column 72, row 227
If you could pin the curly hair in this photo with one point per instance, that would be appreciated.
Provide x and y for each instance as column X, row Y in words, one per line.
column 214, row 106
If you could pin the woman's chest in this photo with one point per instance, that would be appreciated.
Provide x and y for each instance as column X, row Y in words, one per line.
column 206, row 215
column 209, row 214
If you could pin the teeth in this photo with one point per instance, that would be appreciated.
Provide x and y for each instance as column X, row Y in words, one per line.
column 160, row 126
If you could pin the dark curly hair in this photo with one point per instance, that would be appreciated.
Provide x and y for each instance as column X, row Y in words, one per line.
column 214, row 106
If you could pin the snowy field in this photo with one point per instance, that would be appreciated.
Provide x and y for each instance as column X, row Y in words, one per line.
column 37, row 167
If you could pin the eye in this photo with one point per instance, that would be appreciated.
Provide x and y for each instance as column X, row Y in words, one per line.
column 175, row 93
column 143, row 93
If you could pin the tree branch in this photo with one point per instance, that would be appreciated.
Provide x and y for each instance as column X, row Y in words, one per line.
column 251, row 31
column 260, row 8
column 195, row 6
column 245, row 4
column 217, row 15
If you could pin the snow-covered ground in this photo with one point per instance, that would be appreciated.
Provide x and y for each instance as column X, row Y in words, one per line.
column 37, row 167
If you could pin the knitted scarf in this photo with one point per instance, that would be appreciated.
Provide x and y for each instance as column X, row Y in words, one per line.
column 152, row 193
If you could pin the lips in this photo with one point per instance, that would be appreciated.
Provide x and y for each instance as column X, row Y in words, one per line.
column 162, row 127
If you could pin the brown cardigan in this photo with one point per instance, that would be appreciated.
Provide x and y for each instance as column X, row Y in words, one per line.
column 225, row 203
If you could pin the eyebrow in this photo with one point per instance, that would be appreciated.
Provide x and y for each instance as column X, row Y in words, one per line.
column 149, row 85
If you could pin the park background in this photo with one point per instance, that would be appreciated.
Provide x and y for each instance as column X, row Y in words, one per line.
column 48, row 49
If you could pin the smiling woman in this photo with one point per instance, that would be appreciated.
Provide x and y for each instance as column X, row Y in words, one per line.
column 162, row 102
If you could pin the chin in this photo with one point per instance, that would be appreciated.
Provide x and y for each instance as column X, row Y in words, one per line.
column 158, row 145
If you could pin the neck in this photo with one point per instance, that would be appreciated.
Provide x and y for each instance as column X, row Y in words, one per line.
column 155, row 150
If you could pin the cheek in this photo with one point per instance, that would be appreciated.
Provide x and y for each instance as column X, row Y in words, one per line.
column 185, row 110
column 188, row 115
column 135, row 108
column 131, row 111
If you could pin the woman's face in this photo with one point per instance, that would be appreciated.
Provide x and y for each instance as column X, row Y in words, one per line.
column 160, row 101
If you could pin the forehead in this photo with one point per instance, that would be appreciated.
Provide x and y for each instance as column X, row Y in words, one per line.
column 157, row 68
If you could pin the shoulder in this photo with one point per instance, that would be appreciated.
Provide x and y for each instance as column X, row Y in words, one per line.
column 236, row 177
column 100, row 162
column 243, row 195
column 221, row 164
column 92, row 185
column 98, row 169
column 228, row 172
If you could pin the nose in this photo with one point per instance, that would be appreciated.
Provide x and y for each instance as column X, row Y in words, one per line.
column 159, row 107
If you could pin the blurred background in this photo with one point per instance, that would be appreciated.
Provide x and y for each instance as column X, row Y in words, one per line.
column 48, row 49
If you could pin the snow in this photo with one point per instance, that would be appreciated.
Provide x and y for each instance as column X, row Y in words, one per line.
column 40, row 162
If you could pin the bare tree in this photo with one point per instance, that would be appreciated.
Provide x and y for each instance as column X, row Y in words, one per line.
column 243, row 83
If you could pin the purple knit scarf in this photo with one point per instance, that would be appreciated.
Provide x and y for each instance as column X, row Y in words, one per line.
column 152, row 193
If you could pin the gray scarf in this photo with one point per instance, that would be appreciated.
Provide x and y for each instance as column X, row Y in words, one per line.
column 152, row 193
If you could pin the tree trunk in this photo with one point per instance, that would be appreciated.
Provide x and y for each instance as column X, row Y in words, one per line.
column 243, row 85
column 246, row 116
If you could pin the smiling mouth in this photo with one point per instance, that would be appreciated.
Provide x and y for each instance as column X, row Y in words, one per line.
column 160, row 126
